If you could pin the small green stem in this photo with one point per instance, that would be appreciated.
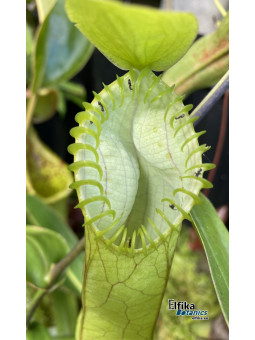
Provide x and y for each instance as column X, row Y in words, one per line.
column 30, row 109
column 53, row 275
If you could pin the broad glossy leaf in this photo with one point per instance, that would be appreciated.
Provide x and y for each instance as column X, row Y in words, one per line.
column 44, row 247
column 37, row 331
column 204, row 64
column 46, row 105
column 215, row 239
column 61, row 50
column 65, row 309
column 134, row 36
column 41, row 214
column 48, row 173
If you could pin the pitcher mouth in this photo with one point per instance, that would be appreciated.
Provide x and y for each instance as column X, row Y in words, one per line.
column 137, row 162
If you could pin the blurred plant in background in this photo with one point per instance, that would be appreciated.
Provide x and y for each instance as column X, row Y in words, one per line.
column 55, row 52
column 189, row 281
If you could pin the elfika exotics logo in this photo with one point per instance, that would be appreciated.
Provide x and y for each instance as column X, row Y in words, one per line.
column 183, row 308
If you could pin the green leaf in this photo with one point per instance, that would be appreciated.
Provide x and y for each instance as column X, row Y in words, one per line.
column 41, row 214
column 73, row 88
column 44, row 247
column 65, row 309
column 134, row 36
column 215, row 239
column 61, row 50
column 204, row 64
column 37, row 331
